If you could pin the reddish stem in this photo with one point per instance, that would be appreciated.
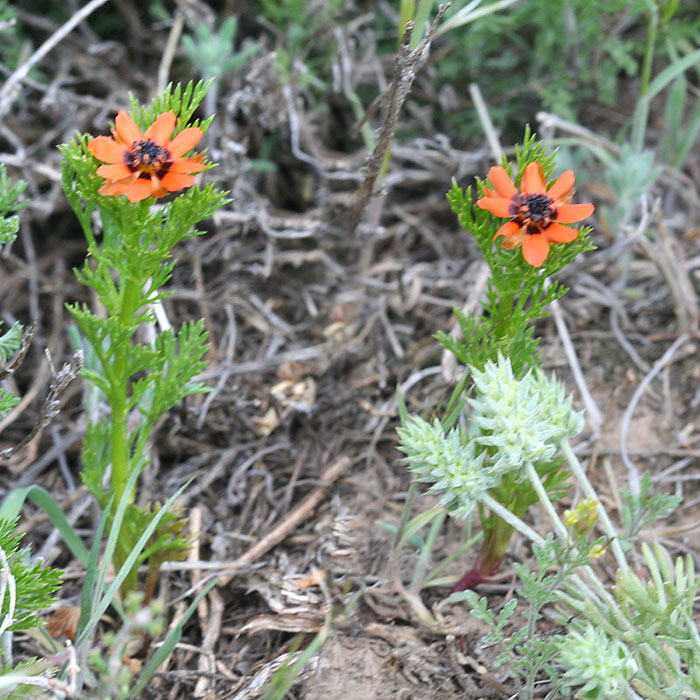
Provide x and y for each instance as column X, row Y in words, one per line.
column 481, row 572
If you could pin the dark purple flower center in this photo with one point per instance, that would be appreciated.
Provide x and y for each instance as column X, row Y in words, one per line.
column 536, row 207
column 148, row 156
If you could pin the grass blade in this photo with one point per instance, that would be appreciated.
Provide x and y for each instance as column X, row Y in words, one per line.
column 14, row 501
column 166, row 648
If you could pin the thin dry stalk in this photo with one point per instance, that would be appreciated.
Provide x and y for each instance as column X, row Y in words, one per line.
column 632, row 472
column 11, row 86
column 405, row 66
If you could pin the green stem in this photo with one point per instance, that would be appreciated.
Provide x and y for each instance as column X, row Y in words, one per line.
column 131, row 296
column 497, row 534
column 501, row 323
column 542, row 494
column 118, row 399
column 512, row 520
column 610, row 531
column 649, row 49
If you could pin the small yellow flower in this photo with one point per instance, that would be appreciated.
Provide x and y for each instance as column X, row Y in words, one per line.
column 571, row 518
column 582, row 518
column 588, row 508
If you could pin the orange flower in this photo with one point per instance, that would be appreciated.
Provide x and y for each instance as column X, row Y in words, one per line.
column 146, row 165
column 536, row 213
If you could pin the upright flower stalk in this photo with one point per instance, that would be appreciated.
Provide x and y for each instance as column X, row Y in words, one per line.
column 121, row 177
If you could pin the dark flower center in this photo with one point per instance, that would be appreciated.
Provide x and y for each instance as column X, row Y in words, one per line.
column 148, row 156
column 536, row 207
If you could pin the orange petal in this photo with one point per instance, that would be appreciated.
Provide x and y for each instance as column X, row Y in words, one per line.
column 119, row 140
column 514, row 241
column 185, row 141
column 560, row 234
column 510, row 228
column 118, row 187
column 114, row 172
column 502, row 182
column 126, row 129
column 110, row 188
column 563, row 184
column 186, row 165
column 140, row 189
column 533, row 181
column 157, row 190
column 161, row 129
column 177, row 181
column 107, row 150
column 499, row 207
column 535, row 249
column 571, row 213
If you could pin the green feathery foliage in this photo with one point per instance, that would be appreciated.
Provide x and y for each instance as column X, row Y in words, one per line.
column 10, row 204
column 183, row 102
column 34, row 582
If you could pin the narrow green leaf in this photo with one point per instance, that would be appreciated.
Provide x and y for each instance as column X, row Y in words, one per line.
column 14, row 501
column 420, row 521
column 90, row 593
column 670, row 73
column 166, row 648
column 129, row 563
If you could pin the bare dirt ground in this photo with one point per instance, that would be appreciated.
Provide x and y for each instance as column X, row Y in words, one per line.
column 311, row 332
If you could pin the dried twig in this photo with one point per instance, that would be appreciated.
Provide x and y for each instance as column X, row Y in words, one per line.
column 404, row 73
column 49, row 410
column 665, row 252
column 632, row 473
column 170, row 48
column 9, row 89
column 293, row 519
column 486, row 123
column 592, row 411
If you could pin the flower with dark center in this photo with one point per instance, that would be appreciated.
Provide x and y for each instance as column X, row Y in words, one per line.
column 536, row 214
column 146, row 165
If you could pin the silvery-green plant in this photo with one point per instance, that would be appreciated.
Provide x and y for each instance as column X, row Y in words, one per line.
column 606, row 665
column 214, row 55
column 643, row 630
column 506, row 453
column 448, row 461
column 524, row 420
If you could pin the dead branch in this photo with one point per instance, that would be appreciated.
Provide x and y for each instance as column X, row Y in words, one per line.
column 405, row 66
